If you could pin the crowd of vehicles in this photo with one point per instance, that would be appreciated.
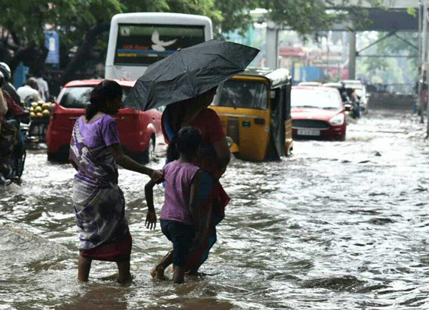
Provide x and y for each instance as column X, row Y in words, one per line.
column 260, row 111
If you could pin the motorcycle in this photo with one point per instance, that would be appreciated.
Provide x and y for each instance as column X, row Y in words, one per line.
column 13, row 151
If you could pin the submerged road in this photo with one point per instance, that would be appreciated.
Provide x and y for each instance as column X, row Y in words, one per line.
column 339, row 225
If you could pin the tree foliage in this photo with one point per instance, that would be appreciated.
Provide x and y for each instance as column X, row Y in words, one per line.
column 83, row 24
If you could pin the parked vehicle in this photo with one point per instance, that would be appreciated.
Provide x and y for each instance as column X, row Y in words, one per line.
column 254, row 108
column 137, row 130
column 318, row 113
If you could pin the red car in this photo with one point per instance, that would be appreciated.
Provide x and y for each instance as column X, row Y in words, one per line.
column 137, row 130
column 318, row 113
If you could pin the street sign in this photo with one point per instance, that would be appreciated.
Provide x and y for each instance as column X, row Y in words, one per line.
column 52, row 43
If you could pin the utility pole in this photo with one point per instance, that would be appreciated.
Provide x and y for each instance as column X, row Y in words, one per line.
column 424, row 56
column 420, row 60
column 272, row 45
column 352, row 55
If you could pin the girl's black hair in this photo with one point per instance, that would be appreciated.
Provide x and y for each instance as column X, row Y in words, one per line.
column 104, row 91
column 187, row 142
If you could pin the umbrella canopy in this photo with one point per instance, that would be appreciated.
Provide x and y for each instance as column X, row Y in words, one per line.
column 188, row 73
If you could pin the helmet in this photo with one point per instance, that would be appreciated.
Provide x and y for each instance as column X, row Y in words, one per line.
column 4, row 68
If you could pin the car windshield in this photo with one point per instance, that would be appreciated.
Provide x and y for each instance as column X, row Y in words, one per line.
column 314, row 98
column 242, row 94
column 78, row 97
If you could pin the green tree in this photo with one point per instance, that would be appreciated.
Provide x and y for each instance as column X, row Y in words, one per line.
column 397, row 58
column 83, row 24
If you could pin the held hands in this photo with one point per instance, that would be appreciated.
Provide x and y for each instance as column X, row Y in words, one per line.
column 150, row 222
column 157, row 176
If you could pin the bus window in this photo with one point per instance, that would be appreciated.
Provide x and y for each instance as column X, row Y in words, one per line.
column 146, row 44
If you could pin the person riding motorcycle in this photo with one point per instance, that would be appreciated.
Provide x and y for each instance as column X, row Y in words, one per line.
column 12, row 146
column 3, row 106
column 354, row 99
column 7, row 86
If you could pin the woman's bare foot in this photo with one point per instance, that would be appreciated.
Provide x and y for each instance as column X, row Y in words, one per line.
column 158, row 273
column 125, row 279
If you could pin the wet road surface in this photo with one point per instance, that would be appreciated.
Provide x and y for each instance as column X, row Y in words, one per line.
column 339, row 225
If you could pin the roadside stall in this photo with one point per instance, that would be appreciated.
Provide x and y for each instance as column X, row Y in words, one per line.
column 40, row 113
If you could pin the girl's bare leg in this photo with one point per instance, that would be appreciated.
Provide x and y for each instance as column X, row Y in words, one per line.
column 124, row 272
column 83, row 268
column 158, row 271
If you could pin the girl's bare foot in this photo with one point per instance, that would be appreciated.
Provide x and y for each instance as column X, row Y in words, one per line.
column 112, row 277
column 158, row 273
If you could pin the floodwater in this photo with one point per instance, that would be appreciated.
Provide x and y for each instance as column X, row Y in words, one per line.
column 339, row 225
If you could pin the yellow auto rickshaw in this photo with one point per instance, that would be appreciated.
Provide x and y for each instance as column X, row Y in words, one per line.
column 254, row 108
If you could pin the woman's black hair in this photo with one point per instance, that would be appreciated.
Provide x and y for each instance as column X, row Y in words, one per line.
column 104, row 91
column 187, row 142
column 172, row 152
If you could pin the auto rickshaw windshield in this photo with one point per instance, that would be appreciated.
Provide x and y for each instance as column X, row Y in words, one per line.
column 242, row 94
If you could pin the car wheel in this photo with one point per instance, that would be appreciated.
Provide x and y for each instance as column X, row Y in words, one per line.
column 149, row 154
column 52, row 156
column 58, row 157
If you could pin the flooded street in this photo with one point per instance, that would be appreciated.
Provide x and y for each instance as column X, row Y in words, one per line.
column 339, row 225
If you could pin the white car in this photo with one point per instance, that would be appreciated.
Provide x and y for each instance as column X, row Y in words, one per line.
column 310, row 84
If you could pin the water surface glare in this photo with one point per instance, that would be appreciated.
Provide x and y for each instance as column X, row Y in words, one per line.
column 339, row 225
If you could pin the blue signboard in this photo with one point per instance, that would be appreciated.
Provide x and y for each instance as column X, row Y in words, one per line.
column 52, row 43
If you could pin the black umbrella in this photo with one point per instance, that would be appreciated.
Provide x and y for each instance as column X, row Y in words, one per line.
column 188, row 73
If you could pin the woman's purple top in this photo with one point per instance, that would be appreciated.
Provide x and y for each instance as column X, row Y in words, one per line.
column 178, row 178
column 103, row 131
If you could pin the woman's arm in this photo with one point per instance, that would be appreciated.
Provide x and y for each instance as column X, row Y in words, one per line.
column 126, row 162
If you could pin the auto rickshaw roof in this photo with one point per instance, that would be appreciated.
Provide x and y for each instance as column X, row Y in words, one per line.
column 276, row 77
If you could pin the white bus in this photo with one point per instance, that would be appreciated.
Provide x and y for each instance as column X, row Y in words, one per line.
column 137, row 40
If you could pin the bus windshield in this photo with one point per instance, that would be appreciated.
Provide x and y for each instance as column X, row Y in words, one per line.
column 144, row 44
column 242, row 94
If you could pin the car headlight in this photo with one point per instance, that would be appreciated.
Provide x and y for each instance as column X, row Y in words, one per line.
column 337, row 119
column 229, row 141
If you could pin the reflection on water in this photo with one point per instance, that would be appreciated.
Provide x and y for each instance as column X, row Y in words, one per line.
column 336, row 226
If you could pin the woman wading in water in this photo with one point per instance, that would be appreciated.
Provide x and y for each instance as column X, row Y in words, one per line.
column 98, row 202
